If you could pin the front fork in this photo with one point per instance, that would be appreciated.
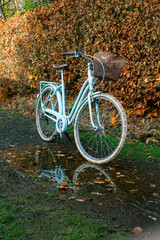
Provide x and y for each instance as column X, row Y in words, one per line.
column 90, row 100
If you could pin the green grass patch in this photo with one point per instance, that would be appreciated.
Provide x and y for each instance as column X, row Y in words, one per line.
column 142, row 151
column 22, row 219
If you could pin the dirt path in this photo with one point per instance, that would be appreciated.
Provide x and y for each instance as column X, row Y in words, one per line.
column 19, row 132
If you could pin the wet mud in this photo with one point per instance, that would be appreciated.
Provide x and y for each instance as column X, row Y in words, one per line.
column 123, row 192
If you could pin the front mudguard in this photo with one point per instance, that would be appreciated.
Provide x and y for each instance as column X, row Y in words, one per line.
column 86, row 99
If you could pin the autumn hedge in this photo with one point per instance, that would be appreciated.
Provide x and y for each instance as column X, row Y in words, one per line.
column 31, row 43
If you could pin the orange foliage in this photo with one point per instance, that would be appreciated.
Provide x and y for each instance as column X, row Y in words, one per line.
column 31, row 43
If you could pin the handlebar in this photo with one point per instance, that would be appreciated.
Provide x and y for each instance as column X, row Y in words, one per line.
column 76, row 54
column 69, row 53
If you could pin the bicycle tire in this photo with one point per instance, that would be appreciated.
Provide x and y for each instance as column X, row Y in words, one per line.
column 45, row 126
column 101, row 146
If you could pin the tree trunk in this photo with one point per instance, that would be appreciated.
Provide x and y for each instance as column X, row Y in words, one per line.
column 2, row 3
column 2, row 12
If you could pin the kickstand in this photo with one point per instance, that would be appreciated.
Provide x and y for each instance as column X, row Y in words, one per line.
column 68, row 136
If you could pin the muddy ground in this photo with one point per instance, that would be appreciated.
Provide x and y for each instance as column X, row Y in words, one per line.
column 117, row 208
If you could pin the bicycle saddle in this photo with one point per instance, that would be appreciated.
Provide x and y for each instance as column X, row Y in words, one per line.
column 59, row 66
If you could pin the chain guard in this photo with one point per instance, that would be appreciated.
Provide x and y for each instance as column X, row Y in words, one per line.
column 61, row 124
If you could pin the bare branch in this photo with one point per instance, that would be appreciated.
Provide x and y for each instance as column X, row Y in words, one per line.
column 4, row 3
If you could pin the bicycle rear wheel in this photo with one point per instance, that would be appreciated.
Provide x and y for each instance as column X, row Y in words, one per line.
column 45, row 126
column 103, row 144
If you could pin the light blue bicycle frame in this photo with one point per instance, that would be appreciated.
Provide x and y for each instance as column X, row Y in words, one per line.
column 87, row 88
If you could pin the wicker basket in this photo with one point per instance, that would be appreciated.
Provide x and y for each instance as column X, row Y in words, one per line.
column 112, row 66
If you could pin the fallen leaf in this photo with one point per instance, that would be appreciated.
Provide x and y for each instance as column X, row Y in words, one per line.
column 65, row 183
column 109, row 189
column 113, row 120
column 153, row 185
column 147, row 140
column 149, row 115
column 79, row 200
column 107, row 180
column 110, row 185
column 106, row 10
column 154, row 140
column 34, row 163
column 146, row 80
column 52, row 179
column 138, row 112
column 97, row 202
column 153, row 218
column 98, row 181
column 129, row 182
column 119, row 199
column 62, row 196
column 133, row 190
column 155, row 194
column 137, row 230
column 72, row 197
column 158, row 76
column 60, row 155
column 20, row 165
column 120, row 176
column 130, row 112
column 154, row 113
column 62, row 188
column 96, row 193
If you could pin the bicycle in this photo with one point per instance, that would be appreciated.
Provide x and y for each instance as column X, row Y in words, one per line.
column 100, row 123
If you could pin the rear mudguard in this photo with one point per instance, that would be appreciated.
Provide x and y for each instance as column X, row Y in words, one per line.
column 56, row 89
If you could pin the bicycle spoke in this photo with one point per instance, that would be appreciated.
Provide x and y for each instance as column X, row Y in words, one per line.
column 87, row 144
column 108, row 136
column 103, row 149
column 107, row 145
column 46, row 127
column 103, row 144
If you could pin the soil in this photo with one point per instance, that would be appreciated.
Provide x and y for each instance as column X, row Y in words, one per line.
column 17, row 130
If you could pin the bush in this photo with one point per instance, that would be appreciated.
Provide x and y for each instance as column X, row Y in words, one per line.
column 31, row 43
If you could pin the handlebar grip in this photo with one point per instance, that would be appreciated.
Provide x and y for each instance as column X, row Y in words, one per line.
column 68, row 53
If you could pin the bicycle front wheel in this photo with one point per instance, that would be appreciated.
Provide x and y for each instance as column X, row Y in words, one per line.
column 45, row 125
column 100, row 145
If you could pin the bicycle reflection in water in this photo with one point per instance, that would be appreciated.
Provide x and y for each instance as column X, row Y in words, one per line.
column 86, row 179
column 114, row 186
column 56, row 175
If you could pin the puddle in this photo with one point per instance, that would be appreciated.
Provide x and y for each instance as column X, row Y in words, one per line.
column 74, row 178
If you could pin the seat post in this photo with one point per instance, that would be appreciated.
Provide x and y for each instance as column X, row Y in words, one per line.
column 63, row 92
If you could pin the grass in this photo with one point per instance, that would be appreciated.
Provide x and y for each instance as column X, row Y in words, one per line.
column 136, row 149
column 142, row 151
column 21, row 219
